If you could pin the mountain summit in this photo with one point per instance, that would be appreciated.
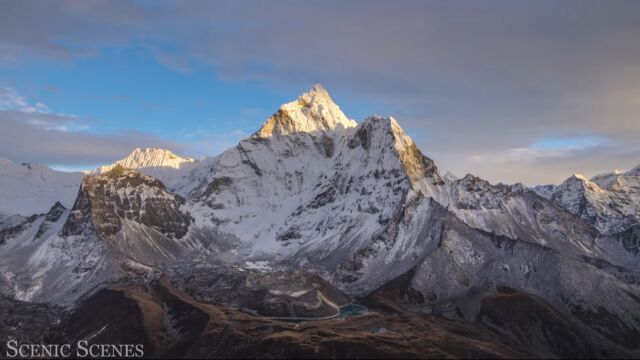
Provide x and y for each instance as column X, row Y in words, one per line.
column 148, row 157
column 313, row 111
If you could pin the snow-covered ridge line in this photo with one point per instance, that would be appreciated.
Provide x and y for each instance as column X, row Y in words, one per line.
column 610, row 201
column 30, row 188
column 148, row 157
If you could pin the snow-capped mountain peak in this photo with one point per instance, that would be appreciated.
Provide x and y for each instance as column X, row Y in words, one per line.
column 31, row 188
column 415, row 165
column 579, row 182
column 148, row 157
column 312, row 112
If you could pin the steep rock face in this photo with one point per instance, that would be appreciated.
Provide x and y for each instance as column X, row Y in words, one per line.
column 53, row 216
column 134, row 213
column 414, row 164
column 121, row 195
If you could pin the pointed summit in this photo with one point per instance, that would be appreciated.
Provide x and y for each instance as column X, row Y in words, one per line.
column 318, row 89
column 317, row 94
column 385, row 131
column 313, row 112
column 577, row 183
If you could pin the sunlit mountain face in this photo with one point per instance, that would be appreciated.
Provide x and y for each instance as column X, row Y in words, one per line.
column 174, row 181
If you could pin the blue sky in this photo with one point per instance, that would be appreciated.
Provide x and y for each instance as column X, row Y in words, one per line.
column 124, row 89
column 528, row 91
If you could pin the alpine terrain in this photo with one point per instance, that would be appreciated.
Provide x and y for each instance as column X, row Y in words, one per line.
column 318, row 236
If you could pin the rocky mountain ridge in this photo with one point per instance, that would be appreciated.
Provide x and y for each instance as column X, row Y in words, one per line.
column 610, row 201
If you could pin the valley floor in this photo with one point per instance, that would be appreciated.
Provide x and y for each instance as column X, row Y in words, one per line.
column 171, row 323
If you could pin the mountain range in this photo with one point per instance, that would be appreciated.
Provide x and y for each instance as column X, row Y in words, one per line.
column 312, row 214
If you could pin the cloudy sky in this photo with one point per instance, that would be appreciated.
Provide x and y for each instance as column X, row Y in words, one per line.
column 527, row 91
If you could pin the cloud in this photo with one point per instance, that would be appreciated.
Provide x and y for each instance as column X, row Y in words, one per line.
column 31, row 132
column 544, row 149
column 14, row 106
column 11, row 100
column 68, row 29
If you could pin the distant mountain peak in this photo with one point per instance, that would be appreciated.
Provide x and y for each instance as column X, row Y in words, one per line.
column 312, row 112
column 581, row 181
column 148, row 157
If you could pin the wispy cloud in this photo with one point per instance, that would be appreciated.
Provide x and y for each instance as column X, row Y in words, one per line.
column 545, row 148
column 14, row 106
column 30, row 131
column 11, row 100
column 568, row 143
